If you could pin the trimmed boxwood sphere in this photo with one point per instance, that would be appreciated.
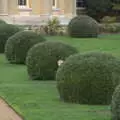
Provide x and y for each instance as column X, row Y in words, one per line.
column 6, row 30
column 42, row 59
column 115, row 105
column 18, row 45
column 113, row 62
column 87, row 78
column 83, row 26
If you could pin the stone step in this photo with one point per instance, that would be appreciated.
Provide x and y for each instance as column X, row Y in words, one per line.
column 33, row 20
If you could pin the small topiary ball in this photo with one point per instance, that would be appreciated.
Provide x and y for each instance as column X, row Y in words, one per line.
column 18, row 45
column 115, row 105
column 83, row 26
column 42, row 59
column 6, row 30
column 87, row 78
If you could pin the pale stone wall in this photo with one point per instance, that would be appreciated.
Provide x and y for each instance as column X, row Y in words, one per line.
column 39, row 7
column 13, row 7
column 30, row 3
column 36, row 4
column 61, row 4
column 3, row 7
column 68, row 6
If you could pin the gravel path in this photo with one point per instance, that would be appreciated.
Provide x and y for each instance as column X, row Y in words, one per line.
column 7, row 113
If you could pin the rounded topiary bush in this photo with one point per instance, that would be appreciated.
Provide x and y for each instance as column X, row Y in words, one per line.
column 115, row 105
column 83, row 26
column 113, row 62
column 87, row 78
column 2, row 22
column 17, row 46
column 6, row 30
column 42, row 59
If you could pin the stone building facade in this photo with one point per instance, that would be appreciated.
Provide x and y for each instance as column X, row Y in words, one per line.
column 40, row 7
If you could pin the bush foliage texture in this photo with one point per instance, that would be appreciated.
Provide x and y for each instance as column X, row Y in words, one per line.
column 115, row 105
column 87, row 78
column 18, row 45
column 83, row 26
column 6, row 31
column 98, row 8
column 42, row 59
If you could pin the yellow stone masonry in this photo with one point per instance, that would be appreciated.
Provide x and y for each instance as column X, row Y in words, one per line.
column 37, row 7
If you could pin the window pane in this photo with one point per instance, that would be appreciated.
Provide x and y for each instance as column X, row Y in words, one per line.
column 53, row 2
column 80, row 3
column 21, row 2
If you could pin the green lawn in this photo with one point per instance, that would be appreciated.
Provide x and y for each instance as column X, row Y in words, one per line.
column 108, row 43
column 36, row 100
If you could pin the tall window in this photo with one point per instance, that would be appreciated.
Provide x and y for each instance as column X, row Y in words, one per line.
column 80, row 3
column 22, row 2
column 54, row 2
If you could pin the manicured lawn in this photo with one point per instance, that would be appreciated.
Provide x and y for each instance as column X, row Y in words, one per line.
column 108, row 43
column 36, row 100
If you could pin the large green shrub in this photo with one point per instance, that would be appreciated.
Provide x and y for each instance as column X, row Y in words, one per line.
column 116, row 1
column 88, row 78
column 6, row 30
column 115, row 105
column 18, row 45
column 83, row 26
column 42, row 59
column 111, row 61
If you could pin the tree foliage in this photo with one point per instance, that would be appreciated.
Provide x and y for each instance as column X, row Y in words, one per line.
column 98, row 8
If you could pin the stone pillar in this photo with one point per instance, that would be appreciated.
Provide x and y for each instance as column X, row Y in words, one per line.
column 36, row 7
column 61, row 4
column 3, row 7
column 47, row 9
column 30, row 3
column 41, row 7
column 13, row 7
column 69, row 7
column 58, row 3
column 74, row 7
